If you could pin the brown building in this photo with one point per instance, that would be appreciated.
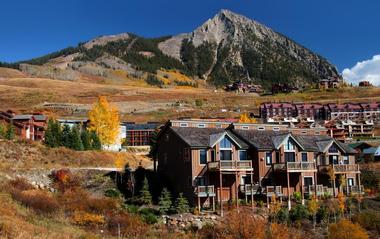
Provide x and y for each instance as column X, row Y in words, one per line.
column 274, row 112
column 330, row 83
column 309, row 111
column 216, row 165
column 139, row 135
column 27, row 126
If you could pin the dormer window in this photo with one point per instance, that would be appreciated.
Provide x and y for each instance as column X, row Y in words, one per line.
column 201, row 126
column 183, row 125
column 225, row 149
column 261, row 128
column 245, row 127
column 333, row 149
column 225, row 143
column 289, row 146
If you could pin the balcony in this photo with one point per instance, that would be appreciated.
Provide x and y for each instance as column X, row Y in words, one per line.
column 346, row 168
column 248, row 189
column 273, row 191
column 354, row 190
column 205, row 191
column 230, row 166
column 295, row 167
column 310, row 190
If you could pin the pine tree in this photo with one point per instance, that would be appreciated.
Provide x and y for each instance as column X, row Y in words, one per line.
column 75, row 139
column 65, row 141
column 10, row 134
column 2, row 130
column 165, row 201
column 95, row 141
column 56, row 133
column 145, row 196
column 85, row 136
column 181, row 204
column 49, row 139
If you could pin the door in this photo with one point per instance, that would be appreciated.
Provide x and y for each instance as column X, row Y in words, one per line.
column 333, row 159
column 350, row 182
column 307, row 181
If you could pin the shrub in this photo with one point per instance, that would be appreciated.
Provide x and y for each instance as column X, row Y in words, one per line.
column 112, row 193
column 298, row 213
column 19, row 184
column 145, row 197
column 370, row 220
column 282, row 215
column 297, row 196
column 39, row 201
column 132, row 208
column 130, row 225
column 87, row 219
column 346, row 230
column 153, row 80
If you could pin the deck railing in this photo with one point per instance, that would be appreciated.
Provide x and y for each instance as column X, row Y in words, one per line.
column 230, row 165
column 341, row 168
column 248, row 189
column 295, row 166
column 205, row 191
column 273, row 190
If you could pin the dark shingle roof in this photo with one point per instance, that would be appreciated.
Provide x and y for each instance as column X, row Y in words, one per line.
column 141, row 126
column 200, row 137
column 260, row 139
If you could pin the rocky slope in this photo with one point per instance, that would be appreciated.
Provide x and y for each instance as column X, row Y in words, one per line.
column 226, row 48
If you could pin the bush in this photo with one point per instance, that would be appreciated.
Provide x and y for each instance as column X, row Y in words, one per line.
column 282, row 215
column 112, row 193
column 19, row 184
column 132, row 208
column 199, row 102
column 87, row 219
column 370, row 220
column 297, row 196
column 130, row 225
column 39, row 201
column 153, row 80
column 346, row 230
column 298, row 213
column 165, row 201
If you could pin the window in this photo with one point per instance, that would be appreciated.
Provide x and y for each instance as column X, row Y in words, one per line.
column 290, row 157
column 289, row 146
column 243, row 155
column 350, row 181
column 268, row 158
column 225, row 143
column 303, row 132
column 346, row 160
column 276, row 129
column 200, row 181
column 307, row 181
column 226, row 155
column 212, row 153
column 333, row 159
column 261, row 128
column 201, row 126
column 304, row 157
column 183, row 125
column 245, row 127
column 166, row 137
column 203, row 156
column 333, row 149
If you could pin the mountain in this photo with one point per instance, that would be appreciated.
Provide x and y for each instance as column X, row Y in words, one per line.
column 224, row 49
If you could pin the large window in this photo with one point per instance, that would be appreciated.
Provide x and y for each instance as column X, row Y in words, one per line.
column 225, row 155
column 225, row 143
column 333, row 159
column 243, row 155
column 202, row 156
column 290, row 157
column 304, row 157
column 268, row 158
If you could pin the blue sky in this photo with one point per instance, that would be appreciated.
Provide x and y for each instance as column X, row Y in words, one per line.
column 343, row 31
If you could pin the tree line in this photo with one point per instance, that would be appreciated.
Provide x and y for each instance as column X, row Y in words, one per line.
column 71, row 137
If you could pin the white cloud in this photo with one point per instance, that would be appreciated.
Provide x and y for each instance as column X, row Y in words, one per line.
column 368, row 70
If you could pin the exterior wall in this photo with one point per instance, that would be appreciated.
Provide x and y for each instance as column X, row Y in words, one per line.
column 174, row 164
column 199, row 124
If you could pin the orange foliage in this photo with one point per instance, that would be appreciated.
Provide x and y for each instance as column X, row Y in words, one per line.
column 130, row 226
column 347, row 230
column 278, row 231
column 87, row 219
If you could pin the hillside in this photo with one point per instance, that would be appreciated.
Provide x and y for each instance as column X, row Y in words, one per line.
column 226, row 48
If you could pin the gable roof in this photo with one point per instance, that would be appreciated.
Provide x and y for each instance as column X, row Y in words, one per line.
column 205, row 137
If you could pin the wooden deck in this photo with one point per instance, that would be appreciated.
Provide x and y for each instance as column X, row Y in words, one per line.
column 230, row 166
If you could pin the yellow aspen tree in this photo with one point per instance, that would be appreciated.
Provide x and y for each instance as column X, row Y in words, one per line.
column 105, row 121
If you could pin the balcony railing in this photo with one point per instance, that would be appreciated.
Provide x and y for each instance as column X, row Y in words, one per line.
column 311, row 190
column 342, row 168
column 273, row 190
column 205, row 191
column 229, row 165
column 356, row 189
column 295, row 166
column 249, row 189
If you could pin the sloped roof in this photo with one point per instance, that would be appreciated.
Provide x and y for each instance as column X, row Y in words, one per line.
column 201, row 137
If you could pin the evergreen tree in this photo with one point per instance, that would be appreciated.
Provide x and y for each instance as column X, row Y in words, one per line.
column 75, row 139
column 49, row 139
column 95, row 141
column 2, row 130
column 85, row 136
column 181, row 204
column 145, row 196
column 66, row 140
column 165, row 201
column 10, row 134
column 56, row 134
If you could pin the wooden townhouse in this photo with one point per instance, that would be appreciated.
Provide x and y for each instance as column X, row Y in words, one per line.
column 213, row 165
column 27, row 126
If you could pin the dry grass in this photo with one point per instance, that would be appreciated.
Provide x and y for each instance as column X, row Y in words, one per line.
column 28, row 155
